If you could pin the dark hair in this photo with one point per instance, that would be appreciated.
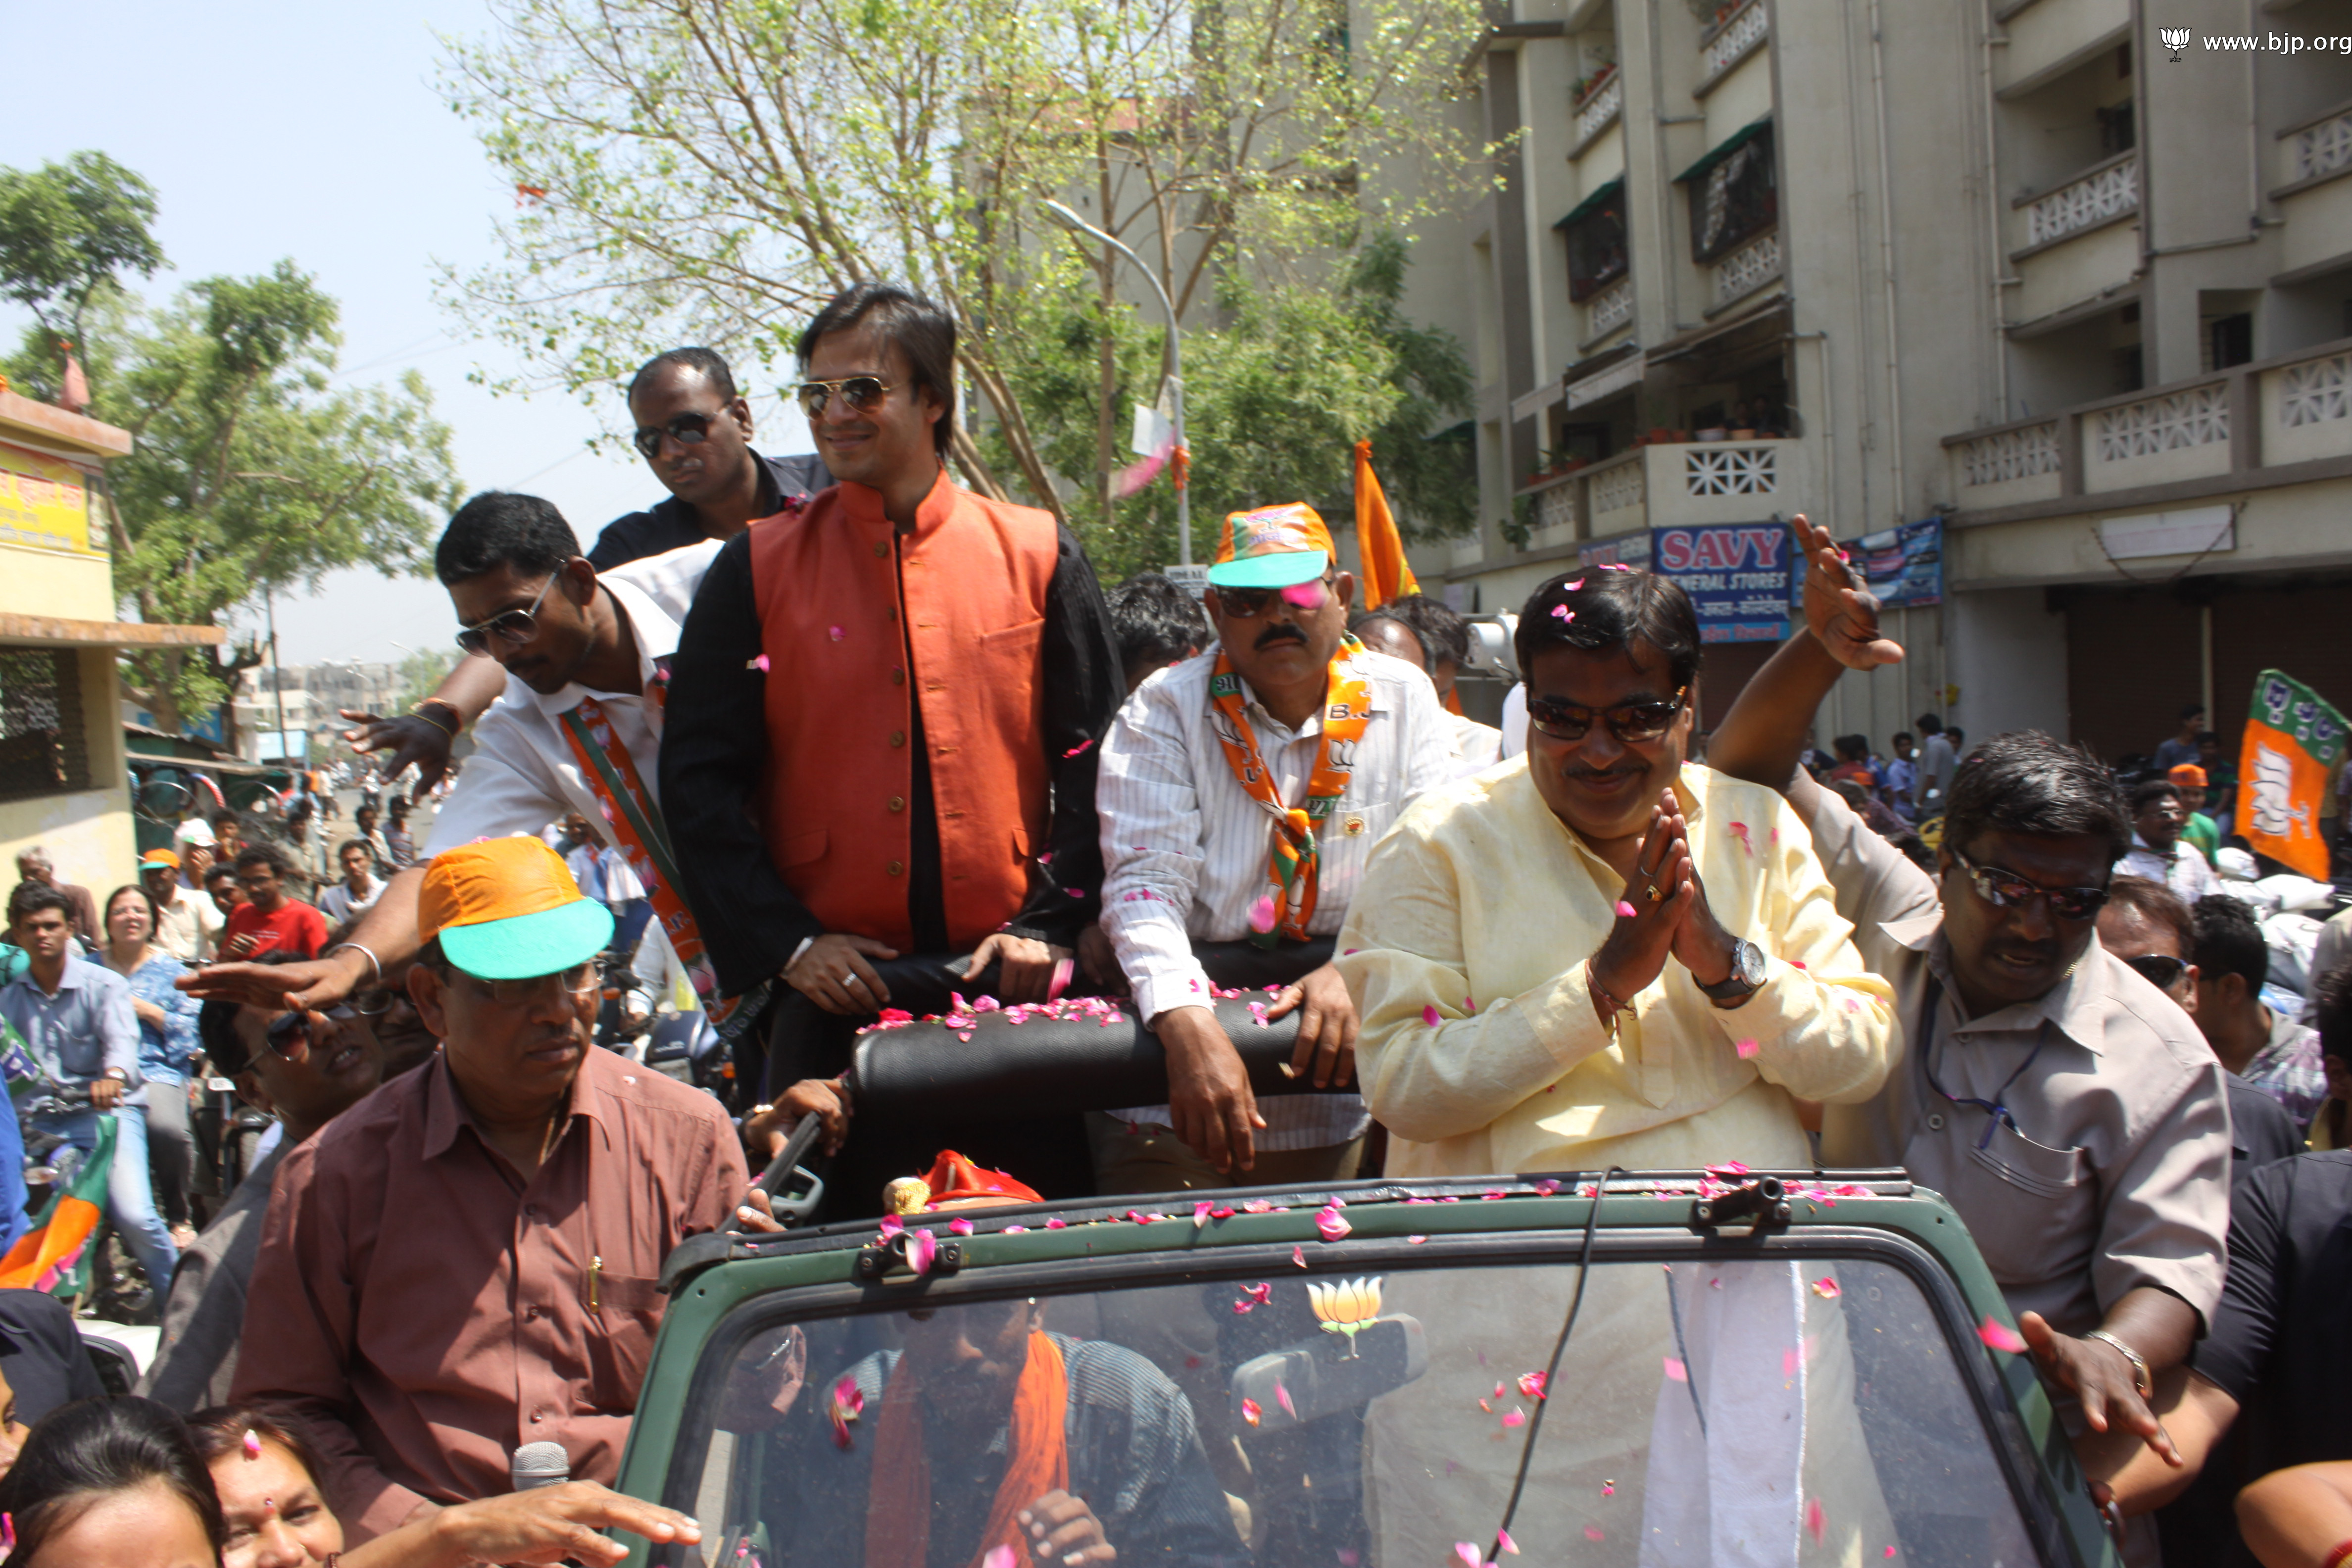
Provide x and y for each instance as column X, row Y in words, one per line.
column 1155, row 619
column 228, row 818
column 348, row 844
column 1607, row 610
column 1444, row 635
column 2151, row 789
column 2158, row 905
column 1928, row 725
column 703, row 362
column 216, row 1024
column 2026, row 782
column 912, row 324
column 2194, row 710
column 1959, row 737
column 2333, row 1017
column 1897, row 739
column 216, row 870
column 31, row 897
column 1356, row 624
column 81, row 1452
column 2205, row 735
column 106, row 909
column 267, row 854
column 220, row 1431
column 2229, row 941
column 1851, row 747
column 499, row 528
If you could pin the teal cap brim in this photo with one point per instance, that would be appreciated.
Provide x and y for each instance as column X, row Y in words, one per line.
column 524, row 947
column 1278, row 571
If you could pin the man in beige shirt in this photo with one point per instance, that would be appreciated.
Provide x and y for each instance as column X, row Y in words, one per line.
column 1604, row 954
column 2065, row 1108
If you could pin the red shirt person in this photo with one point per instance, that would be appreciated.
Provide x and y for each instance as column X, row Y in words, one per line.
column 271, row 920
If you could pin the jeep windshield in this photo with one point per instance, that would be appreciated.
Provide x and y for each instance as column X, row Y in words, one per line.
column 1813, row 1398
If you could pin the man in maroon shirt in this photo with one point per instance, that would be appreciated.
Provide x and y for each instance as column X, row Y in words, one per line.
column 271, row 920
column 466, row 1261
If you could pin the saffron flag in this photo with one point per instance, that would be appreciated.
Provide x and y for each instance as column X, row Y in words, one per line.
column 1386, row 574
column 2294, row 742
column 55, row 1254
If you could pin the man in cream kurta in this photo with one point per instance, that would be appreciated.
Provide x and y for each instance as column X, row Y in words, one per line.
column 1483, row 905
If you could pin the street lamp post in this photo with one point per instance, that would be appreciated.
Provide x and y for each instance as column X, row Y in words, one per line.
column 1182, row 456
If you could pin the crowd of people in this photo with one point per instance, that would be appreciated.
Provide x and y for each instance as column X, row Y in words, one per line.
column 840, row 742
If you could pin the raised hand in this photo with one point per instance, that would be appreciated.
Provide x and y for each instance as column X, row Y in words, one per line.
column 1839, row 610
column 1661, row 892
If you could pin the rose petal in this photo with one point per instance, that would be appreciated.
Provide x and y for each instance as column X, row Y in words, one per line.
column 1056, row 1224
column 1626, row 912
column 1746, row 1048
column 1999, row 1336
column 1250, row 1412
column 1594, row 1532
column 1261, row 915
column 959, row 1226
column 1415, row 1240
column 1298, row 1255
column 1826, row 1289
column 922, row 1247
column 759, row 663
column 1563, row 613
column 1531, row 1383
column 1515, row 1417
column 1331, row 1225
column 834, row 632
column 1074, row 750
column 1469, row 1553
column 1502, row 1539
column 1609, row 1488
column 1430, row 1015
column 1815, row 1525
column 998, row 1557
column 1676, row 1371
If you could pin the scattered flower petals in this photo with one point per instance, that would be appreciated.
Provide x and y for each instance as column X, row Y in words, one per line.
column 1626, row 912
column 1826, row 1289
column 1815, row 1525
column 1609, row 1488
column 1470, row 1555
column 1890, row 1551
column 1074, row 750
column 1250, row 1412
column 1257, row 1205
column 1414, row 1240
column 1999, row 1336
column 1000, row 1557
column 1571, row 587
column 1201, row 1212
column 834, row 632
column 1676, row 1371
column 1282, row 1397
column 1545, row 1187
column 1531, row 1383
column 1515, row 1417
column 1795, row 963
column 1430, row 1015
column 922, row 1247
column 252, row 1444
column 959, row 1226
column 1739, row 831
column 1747, row 1049
column 1261, row 915
column 1056, row 1224
column 848, row 1401
column 1252, row 1298
column 1331, row 1225
column 1594, row 1532
column 1013, row 1230
column 891, row 1225
column 759, row 663
column 1563, row 613
column 1502, row 1539
column 1298, row 1255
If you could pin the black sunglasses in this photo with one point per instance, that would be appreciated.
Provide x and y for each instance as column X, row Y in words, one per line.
column 860, row 391
column 291, row 1038
column 1248, row 604
column 2157, row 969
column 686, row 430
column 2006, row 890
column 1631, row 722
column 515, row 627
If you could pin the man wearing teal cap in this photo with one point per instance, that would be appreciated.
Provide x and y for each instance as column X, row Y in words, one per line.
column 466, row 1261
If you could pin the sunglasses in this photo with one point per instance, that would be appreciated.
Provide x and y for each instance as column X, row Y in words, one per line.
column 579, row 981
column 2158, row 969
column 514, row 627
column 1631, row 722
column 860, row 391
column 686, row 430
column 290, row 1039
column 1248, row 604
column 2006, row 890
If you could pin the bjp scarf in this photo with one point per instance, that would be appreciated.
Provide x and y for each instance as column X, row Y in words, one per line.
column 898, row 1505
column 1294, row 865
column 637, row 823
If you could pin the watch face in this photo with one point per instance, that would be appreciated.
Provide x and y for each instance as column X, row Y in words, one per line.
column 1748, row 959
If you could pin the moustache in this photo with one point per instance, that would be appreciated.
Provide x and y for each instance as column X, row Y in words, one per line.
column 1280, row 632
column 2037, row 952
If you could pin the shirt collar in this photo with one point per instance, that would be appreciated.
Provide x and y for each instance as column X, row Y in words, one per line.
column 1376, row 702
column 446, row 1110
column 646, row 624
column 2076, row 1007
column 863, row 504
column 70, row 981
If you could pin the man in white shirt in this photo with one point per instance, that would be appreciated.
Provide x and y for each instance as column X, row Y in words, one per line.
column 2156, row 850
column 567, row 636
column 187, row 925
column 1201, row 864
column 343, row 902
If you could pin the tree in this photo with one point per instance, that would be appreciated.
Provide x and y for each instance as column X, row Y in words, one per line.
column 68, row 233
column 690, row 172
column 421, row 675
column 250, row 472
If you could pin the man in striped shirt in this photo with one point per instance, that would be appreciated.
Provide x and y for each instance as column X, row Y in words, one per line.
column 1240, row 793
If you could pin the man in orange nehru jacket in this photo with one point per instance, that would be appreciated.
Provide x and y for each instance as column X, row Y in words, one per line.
column 881, row 736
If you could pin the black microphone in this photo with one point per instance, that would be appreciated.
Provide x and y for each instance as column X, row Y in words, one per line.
column 536, row 1465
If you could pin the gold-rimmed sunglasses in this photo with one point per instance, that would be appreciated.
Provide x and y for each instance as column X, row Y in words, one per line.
column 860, row 391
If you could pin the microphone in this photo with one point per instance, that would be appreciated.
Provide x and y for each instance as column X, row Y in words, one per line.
column 536, row 1465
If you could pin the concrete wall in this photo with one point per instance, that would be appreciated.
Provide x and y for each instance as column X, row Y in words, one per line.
column 2006, row 654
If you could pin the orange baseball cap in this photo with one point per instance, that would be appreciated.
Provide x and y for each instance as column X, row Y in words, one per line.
column 2189, row 774
column 507, row 908
column 1273, row 547
column 159, row 857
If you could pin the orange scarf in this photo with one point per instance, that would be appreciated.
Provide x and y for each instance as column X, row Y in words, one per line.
column 898, row 1503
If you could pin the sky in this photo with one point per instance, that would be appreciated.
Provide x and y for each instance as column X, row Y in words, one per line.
column 318, row 133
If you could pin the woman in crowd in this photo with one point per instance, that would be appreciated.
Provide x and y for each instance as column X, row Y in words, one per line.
column 266, row 1476
column 167, row 1050
column 111, row 1483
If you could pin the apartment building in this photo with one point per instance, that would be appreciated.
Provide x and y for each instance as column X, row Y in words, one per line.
column 311, row 697
column 2010, row 270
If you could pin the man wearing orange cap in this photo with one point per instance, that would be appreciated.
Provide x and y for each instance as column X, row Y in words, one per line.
column 465, row 1262
column 2198, row 831
column 187, row 928
column 1241, row 792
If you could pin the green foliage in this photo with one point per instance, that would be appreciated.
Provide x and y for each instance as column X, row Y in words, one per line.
column 68, row 233
column 251, row 470
column 421, row 674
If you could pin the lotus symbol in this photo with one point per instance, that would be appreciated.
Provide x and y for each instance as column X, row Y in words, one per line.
column 1346, row 1307
column 2175, row 38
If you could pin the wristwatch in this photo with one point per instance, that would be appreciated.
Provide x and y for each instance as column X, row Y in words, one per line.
column 117, row 1074
column 1747, row 974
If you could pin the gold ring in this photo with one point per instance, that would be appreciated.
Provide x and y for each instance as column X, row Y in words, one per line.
column 1654, row 894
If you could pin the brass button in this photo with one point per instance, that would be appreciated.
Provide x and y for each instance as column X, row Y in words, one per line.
column 898, row 737
column 880, row 548
column 898, row 678
column 897, row 868
column 897, row 802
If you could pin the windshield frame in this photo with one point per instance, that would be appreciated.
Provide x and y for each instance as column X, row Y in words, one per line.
column 816, row 1283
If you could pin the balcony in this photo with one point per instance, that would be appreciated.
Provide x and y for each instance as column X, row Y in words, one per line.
column 1745, row 270
column 1598, row 110
column 2043, row 39
column 1608, row 310
column 1723, row 46
column 2078, row 240
column 1667, row 485
column 2281, row 421
column 2314, row 197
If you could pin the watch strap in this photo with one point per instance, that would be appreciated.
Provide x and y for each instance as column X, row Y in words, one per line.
column 1735, row 986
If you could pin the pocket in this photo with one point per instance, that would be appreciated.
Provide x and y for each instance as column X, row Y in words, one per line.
column 2038, row 1168
column 803, row 847
column 1014, row 647
column 620, row 1331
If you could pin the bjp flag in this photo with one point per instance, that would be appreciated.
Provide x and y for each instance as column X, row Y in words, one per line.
column 1386, row 575
column 2294, row 743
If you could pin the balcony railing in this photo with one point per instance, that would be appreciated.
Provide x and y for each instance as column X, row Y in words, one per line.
column 2213, row 433
column 2099, row 196
column 1667, row 485
column 1748, row 268
column 1609, row 310
column 1732, row 40
column 1600, row 108
column 2322, row 148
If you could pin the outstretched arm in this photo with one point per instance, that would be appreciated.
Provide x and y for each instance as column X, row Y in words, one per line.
column 1763, row 735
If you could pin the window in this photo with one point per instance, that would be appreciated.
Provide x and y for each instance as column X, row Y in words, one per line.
column 2229, row 340
column 43, row 749
column 1734, row 195
column 1596, row 242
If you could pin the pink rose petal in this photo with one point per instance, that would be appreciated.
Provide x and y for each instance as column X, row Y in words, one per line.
column 1470, row 1555
column 1298, row 1255
column 1057, row 1225
column 1626, row 912
column 1331, row 1225
column 1502, row 1539
column 1431, row 1016
column 1563, row 613
column 1826, row 1289
column 1415, row 1240
column 1531, row 1383
column 1261, row 915
column 1000, row 1557
column 1609, row 1488
column 759, row 663
column 1282, row 1397
column 1746, row 1048
column 834, row 632
column 1999, row 1336
column 1676, row 1371
column 1250, row 1412
column 1571, row 587
column 1515, row 1417
column 922, row 1247
column 959, row 1226
column 1594, row 1532
column 1815, row 1525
